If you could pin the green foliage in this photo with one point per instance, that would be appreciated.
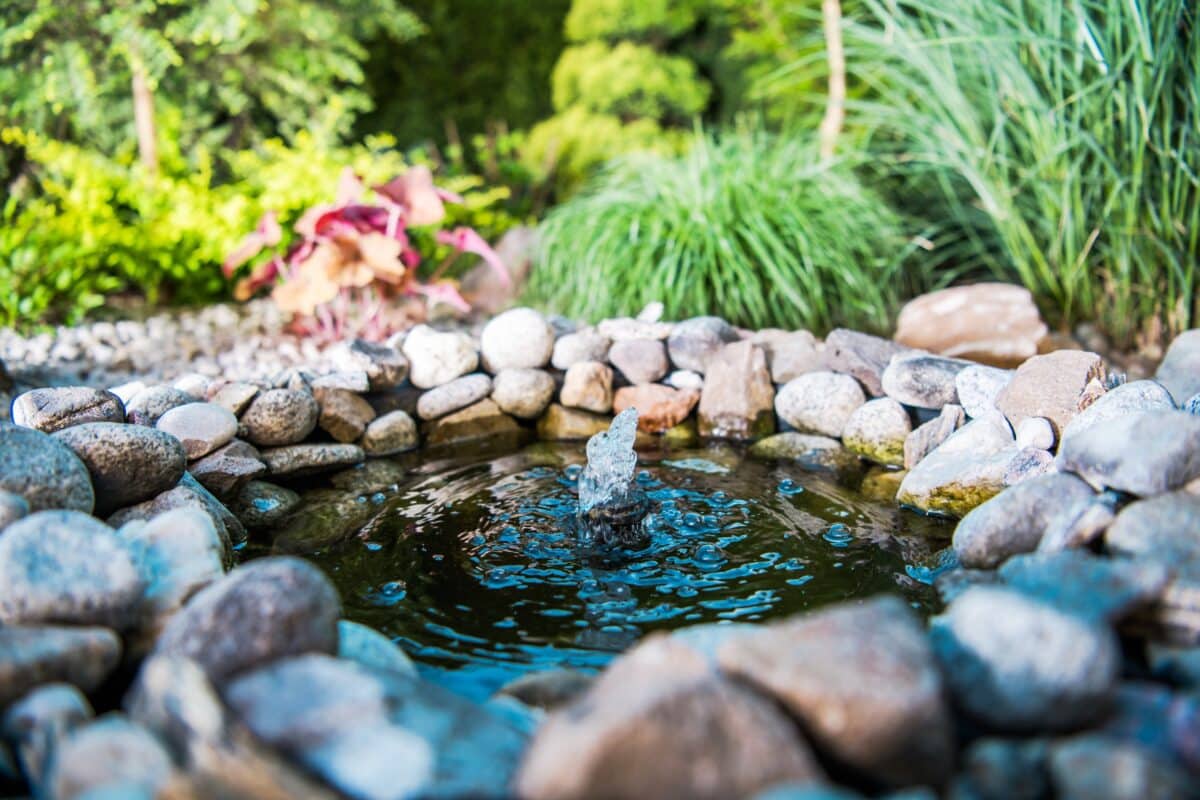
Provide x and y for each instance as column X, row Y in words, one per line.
column 1060, row 138
column 639, row 19
column 236, row 71
column 747, row 226
column 628, row 80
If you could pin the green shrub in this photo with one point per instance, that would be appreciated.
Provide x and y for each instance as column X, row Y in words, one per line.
column 642, row 19
column 1061, row 139
column 746, row 226
column 628, row 80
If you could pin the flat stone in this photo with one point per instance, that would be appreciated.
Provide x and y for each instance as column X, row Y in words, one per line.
column 55, row 408
column 659, row 407
column 385, row 366
column 1143, row 454
column 66, row 567
column 127, row 463
column 390, row 433
column 108, row 758
column 200, row 427
column 994, row 323
column 586, row 345
column 963, row 472
column 569, row 424
column 1036, row 433
column 310, row 459
column 1122, row 401
column 1056, row 386
column 1090, row 587
column 738, row 399
column 790, row 354
column 978, row 387
column 350, row 380
column 1017, row 665
column 234, row 396
column 877, row 431
column 523, row 392
column 675, row 727
column 819, row 402
column 267, row 609
column 1014, row 520
column 259, row 504
column 226, row 470
column 621, row 329
column 38, row 655
column 1162, row 530
column 437, row 357
column 519, row 337
column 826, row 669
column 928, row 437
column 344, row 415
column 12, row 508
column 640, row 360
column 43, row 471
column 1179, row 371
column 482, row 420
column 194, row 383
column 1097, row 768
column 370, row 648
column 812, row 453
column 694, row 342
column 861, row 356
column 922, row 381
column 588, row 385
column 148, row 405
column 280, row 417
column 453, row 396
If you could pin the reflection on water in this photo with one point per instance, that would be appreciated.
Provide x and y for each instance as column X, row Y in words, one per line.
column 477, row 569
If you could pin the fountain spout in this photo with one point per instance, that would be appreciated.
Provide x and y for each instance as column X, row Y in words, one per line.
column 611, row 506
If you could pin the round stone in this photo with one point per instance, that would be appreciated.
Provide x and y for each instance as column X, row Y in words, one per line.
column 640, row 360
column 573, row 348
column 43, row 470
column 261, row 505
column 390, row 433
column 523, row 392
column 66, row 567
column 280, row 416
column 819, row 402
column 148, row 405
column 588, row 385
column 127, row 463
column 520, row 337
column 200, row 427
column 59, row 407
column 436, row 358
column 877, row 430
column 1035, row 432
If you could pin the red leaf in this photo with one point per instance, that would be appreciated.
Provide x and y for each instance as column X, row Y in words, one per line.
column 466, row 240
column 266, row 234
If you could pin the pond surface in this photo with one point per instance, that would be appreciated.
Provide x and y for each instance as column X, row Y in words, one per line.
column 475, row 565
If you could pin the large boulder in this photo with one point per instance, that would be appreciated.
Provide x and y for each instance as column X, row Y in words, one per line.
column 127, row 463
column 1143, row 454
column 738, row 397
column 993, row 323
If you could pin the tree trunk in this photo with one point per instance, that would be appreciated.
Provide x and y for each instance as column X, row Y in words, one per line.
column 835, row 107
column 143, row 119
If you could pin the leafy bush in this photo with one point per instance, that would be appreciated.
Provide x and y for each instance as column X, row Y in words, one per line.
column 1061, row 139
column 618, row 19
column 747, row 226
column 628, row 80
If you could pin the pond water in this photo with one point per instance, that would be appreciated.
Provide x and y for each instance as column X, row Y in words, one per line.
column 474, row 564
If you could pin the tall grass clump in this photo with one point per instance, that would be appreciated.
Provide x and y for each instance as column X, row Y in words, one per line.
column 1062, row 138
column 752, row 227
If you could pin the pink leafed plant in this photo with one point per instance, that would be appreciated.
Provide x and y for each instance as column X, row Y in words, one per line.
column 353, row 260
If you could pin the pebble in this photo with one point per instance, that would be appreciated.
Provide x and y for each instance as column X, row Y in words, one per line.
column 585, row 345
column 260, row 505
column 1056, row 386
column 1036, row 433
column 519, row 337
column 36, row 655
column 127, row 463
column 861, row 356
column 389, row 434
column 267, row 609
column 436, row 358
column 694, row 342
column 344, row 414
column 1017, row 665
column 280, row 417
column 588, row 385
column 200, row 427
column 43, row 471
column 877, row 431
column 738, row 397
column 819, row 402
column 148, row 405
column 683, row 379
column 66, row 567
column 309, row 459
column 922, row 381
column 640, row 360
column 226, row 470
column 55, row 408
column 457, row 394
column 1166, row 455
column 523, row 392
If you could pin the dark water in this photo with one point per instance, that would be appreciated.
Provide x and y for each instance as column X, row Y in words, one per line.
column 475, row 567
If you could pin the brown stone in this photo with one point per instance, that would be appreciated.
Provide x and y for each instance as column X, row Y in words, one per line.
column 640, row 360
column 227, row 470
column 481, row 420
column 738, row 401
column 569, row 424
column 861, row 356
column 993, row 323
column 790, row 354
column 588, row 385
column 659, row 407
column 1056, row 386
column 660, row 722
column 344, row 414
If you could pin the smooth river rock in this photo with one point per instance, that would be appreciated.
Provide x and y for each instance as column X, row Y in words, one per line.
column 926, row 438
column 385, row 366
column 519, row 337
column 1124, row 400
column 585, row 345
column 523, row 392
column 200, row 427
column 344, row 415
column 390, row 433
column 994, row 323
column 226, row 470
column 1144, row 454
column 922, row 381
column 43, row 471
column 37, row 655
column 1161, row 529
column 978, row 387
column 738, row 397
column 127, row 463
column 963, row 472
column 560, row 423
column 819, row 402
column 640, row 360
column 310, row 459
column 436, row 358
column 790, row 354
column 659, row 407
column 457, row 394
column 109, row 757
column 58, row 407
column 280, row 417
column 877, row 431
column 588, row 385
column 862, row 356
column 482, row 420
column 694, row 342
column 148, row 405
column 1092, row 587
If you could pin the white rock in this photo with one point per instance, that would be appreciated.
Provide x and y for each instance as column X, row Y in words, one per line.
column 515, row 339
column 979, row 386
column 819, row 402
column 1036, row 432
column 436, row 358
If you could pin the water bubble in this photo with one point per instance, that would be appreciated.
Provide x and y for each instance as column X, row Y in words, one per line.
column 644, row 477
column 709, row 554
column 838, row 535
column 571, row 472
column 789, row 487
column 374, row 547
column 378, row 498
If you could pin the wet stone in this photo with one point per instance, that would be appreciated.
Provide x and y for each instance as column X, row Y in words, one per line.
column 453, row 396
column 438, row 358
column 389, row 434
column 569, row 424
column 928, row 437
column 978, row 387
column 260, row 505
column 268, row 609
column 325, row 518
column 640, row 360
column 813, row 453
column 1143, row 454
column 548, row 689
column 694, row 342
column 523, row 392
column 516, row 338
column 280, row 417
column 38, row 655
column 200, row 427
column 55, row 408
column 66, row 567
column 1014, row 664
column 226, row 470
column 127, row 463
column 819, row 402
column 1094, row 588
column 588, row 385
column 862, row 356
column 1162, row 530
column 148, row 405
column 344, row 414
column 309, row 459
column 370, row 648
column 1122, row 401
column 481, row 420
column 877, row 431
column 964, row 471
column 922, row 381
column 586, row 345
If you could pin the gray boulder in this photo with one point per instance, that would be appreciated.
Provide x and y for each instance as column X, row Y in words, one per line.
column 127, row 463
column 58, row 407
column 1143, row 454
column 43, row 471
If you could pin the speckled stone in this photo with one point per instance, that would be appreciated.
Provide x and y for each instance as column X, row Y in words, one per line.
column 640, row 360
column 390, row 433
column 55, row 408
column 344, row 414
column 877, row 431
column 309, row 459
column 43, row 471
column 200, row 427
column 145, row 407
column 450, row 397
column 523, row 392
column 127, row 463
column 280, row 417
column 588, row 385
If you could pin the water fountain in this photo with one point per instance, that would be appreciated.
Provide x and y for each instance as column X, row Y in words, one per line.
column 611, row 506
